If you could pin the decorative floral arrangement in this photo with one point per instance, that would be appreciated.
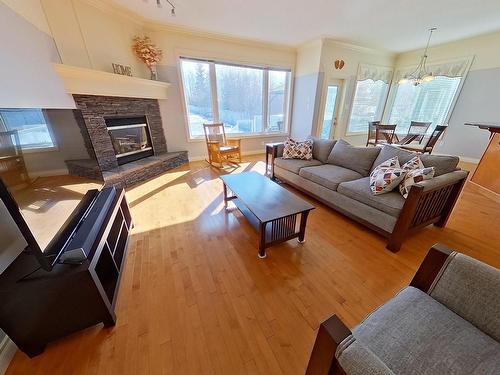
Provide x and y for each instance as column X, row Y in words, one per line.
column 149, row 53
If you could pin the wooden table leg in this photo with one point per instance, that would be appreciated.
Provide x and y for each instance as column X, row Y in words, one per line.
column 303, row 222
column 225, row 193
column 262, row 240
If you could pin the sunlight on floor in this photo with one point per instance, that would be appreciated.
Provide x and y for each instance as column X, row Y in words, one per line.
column 190, row 193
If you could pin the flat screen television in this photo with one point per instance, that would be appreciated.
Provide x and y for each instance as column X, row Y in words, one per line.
column 49, row 175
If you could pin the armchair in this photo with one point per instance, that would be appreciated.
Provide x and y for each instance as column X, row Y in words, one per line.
column 445, row 321
column 220, row 149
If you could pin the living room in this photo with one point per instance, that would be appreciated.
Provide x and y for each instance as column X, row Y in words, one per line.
column 355, row 153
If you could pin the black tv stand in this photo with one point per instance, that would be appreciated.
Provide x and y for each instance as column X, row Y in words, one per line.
column 44, row 306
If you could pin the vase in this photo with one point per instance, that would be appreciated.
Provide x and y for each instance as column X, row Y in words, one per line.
column 154, row 73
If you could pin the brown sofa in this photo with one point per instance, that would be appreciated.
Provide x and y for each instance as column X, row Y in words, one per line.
column 338, row 176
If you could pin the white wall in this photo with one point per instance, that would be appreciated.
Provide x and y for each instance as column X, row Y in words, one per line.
column 308, row 81
column 26, row 73
column 175, row 44
column 478, row 100
column 353, row 56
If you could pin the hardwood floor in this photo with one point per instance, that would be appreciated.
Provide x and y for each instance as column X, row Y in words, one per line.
column 195, row 299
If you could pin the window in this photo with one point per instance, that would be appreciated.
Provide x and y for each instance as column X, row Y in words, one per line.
column 248, row 100
column 368, row 104
column 33, row 130
column 429, row 101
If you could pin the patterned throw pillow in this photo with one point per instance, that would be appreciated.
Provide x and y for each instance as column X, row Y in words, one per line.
column 298, row 150
column 416, row 172
column 413, row 163
column 386, row 176
column 413, row 177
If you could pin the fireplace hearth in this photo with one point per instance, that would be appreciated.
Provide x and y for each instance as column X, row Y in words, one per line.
column 127, row 137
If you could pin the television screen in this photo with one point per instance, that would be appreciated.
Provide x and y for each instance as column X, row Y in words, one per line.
column 47, row 164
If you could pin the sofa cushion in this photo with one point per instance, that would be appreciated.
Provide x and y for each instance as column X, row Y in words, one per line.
column 390, row 203
column 388, row 152
column 386, row 176
column 322, row 148
column 328, row 175
column 359, row 159
column 415, row 334
column 294, row 165
column 442, row 164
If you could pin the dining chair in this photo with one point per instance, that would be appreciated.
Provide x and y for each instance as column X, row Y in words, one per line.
column 380, row 134
column 428, row 146
column 416, row 132
column 220, row 149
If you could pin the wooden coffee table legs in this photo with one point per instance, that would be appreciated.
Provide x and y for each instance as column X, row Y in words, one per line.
column 281, row 230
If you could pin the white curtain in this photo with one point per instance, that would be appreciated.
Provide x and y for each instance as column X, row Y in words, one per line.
column 375, row 73
column 451, row 69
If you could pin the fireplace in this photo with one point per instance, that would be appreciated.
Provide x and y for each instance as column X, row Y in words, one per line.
column 130, row 138
column 126, row 135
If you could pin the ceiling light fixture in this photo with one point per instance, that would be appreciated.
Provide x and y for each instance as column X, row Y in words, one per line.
column 420, row 74
column 172, row 6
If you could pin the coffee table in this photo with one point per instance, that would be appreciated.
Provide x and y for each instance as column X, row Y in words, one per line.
column 276, row 213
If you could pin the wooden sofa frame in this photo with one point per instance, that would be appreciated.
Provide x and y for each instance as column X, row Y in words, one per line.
column 421, row 208
column 333, row 331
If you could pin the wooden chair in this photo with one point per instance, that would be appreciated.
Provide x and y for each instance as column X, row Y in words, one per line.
column 429, row 145
column 220, row 149
column 416, row 132
column 12, row 167
column 380, row 134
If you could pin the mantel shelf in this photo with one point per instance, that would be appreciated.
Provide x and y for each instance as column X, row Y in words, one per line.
column 95, row 82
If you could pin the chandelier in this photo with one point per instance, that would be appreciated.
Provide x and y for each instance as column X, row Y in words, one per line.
column 420, row 74
column 172, row 6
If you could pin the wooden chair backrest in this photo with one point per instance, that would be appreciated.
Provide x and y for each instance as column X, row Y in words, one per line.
column 215, row 133
column 419, row 128
column 436, row 133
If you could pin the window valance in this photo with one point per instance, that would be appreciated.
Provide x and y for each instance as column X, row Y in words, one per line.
column 451, row 69
column 375, row 73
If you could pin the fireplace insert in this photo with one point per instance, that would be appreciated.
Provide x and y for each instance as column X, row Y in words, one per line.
column 130, row 138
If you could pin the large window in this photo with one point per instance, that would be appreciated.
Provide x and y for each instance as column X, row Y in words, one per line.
column 248, row 100
column 31, row 126
column 368, row 104
column 426, row 102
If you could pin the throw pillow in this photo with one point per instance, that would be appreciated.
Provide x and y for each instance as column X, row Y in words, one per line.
column 386, row 176
column 359, row 159
column 413, row 163
column 413, row 177
column 298, row 150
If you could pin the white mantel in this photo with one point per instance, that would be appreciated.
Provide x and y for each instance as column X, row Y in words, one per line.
column 78, row 80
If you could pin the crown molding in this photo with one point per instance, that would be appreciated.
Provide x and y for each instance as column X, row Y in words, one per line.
column 157, row 26
column 113, row 9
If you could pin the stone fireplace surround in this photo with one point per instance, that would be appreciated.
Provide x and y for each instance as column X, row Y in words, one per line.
column 95, row 109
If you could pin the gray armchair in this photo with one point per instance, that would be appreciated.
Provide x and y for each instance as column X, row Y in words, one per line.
column 446, row 322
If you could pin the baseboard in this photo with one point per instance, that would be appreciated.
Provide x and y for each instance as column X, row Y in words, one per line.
column 7, row 351
column 245, row 153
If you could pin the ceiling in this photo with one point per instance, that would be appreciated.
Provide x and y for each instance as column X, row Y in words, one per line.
column 393, row 25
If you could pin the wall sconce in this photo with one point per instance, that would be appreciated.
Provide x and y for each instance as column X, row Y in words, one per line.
column 339, row 64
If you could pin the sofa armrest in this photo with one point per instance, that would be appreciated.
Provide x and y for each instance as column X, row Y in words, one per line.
column 278, row 149
column 471, row 289
column 356, row 359
column 443, row 180
column 430, row 267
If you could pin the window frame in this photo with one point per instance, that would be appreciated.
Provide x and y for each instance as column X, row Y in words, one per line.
column 214, row 99
column 349, row 133
column 31, row 150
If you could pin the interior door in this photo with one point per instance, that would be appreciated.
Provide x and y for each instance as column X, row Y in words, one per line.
column 330, row 109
